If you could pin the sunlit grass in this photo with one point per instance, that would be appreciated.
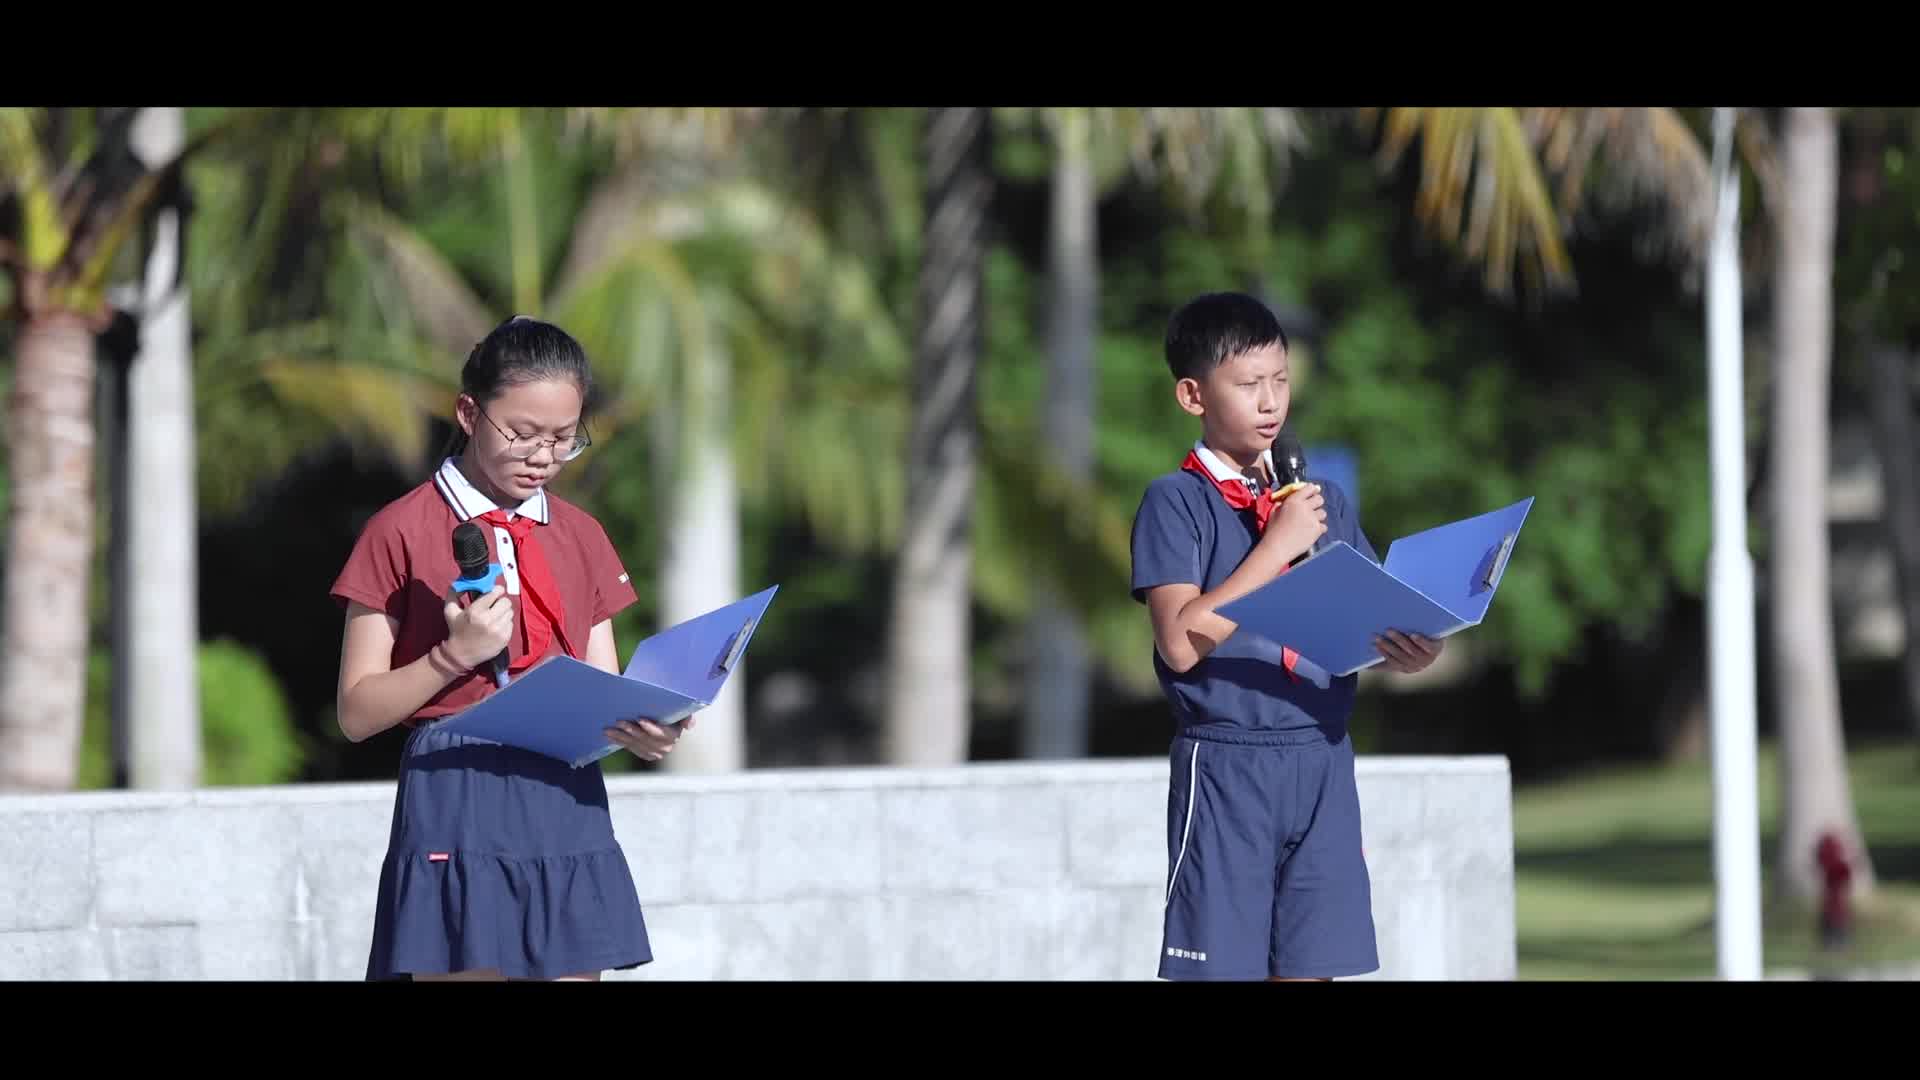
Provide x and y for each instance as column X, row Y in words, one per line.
column 1614, row 871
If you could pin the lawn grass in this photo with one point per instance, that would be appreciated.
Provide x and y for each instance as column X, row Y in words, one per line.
column 1614, row 871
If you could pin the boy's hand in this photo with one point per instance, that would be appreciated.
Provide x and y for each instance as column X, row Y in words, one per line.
column 1408, row 653
column 1295, row 525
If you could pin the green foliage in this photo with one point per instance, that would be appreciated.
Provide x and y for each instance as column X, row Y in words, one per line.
column 246, row 725
column 1877, row 258
column 247, row 734
column 1454, row 407
column 1453, row 404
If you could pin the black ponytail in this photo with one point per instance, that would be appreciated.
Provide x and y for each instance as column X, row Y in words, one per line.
column 520, row 350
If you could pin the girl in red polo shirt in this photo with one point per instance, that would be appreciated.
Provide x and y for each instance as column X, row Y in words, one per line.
column 501, row 863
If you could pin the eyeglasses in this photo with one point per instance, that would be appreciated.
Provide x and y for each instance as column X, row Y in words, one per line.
column 522, row 447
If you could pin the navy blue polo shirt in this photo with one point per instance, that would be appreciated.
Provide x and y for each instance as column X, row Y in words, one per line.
column 1184, row 532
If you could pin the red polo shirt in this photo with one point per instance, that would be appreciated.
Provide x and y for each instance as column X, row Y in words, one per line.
column 403, row 565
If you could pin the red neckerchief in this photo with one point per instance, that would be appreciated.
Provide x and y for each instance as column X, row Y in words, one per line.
column 1237, row 496
column 543, row 616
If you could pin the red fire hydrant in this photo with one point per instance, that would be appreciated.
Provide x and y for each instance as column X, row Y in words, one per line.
column 1836, row 900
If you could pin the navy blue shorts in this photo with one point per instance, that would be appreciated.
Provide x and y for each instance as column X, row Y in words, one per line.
column 1265, row 875
column 501, row 858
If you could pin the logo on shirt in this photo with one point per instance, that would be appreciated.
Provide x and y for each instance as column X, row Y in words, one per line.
column 1186, row 954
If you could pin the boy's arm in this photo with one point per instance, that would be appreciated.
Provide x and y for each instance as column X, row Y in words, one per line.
column 1187, row 625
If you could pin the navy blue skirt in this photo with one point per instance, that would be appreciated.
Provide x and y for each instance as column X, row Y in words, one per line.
column 504, row 859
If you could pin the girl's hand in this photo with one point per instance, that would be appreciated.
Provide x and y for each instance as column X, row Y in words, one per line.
column 1408, row 653
column 477, row 632
column 644, row 739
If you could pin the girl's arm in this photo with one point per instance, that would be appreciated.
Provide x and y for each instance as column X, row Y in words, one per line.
column 602, row 652
column 373, row 696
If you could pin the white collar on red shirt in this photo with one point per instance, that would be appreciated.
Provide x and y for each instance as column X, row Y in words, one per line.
column 1222, row 471
column 467, row 501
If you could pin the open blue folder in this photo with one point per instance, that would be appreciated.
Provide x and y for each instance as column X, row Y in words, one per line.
column 561, row 707
column 1330, row 607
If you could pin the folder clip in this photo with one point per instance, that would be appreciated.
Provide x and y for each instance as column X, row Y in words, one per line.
column 1498, row 563
column 735, row 647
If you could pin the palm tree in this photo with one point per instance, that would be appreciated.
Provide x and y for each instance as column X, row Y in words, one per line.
column 929, row 695
column 76, row 193
column 1818, row 797
column 1059, row 672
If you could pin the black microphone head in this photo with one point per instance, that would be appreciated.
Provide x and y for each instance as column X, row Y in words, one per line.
column 470, row 549
column 1289, row 460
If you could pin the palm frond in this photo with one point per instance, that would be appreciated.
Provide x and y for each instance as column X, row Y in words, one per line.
column 1758, row 150
column 1038, row 523
column 1245, row 152
column 406, row 139
column 629, row 206
column 368, row 399
column 441, row 301
column 23, row 165
column 670, row 132
column 523, row 226
column 264, row 398
column 1638, row 156
column 1490, row 153
column 95, row 249
column 594, row 303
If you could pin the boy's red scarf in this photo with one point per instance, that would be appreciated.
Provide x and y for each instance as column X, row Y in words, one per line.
column 1237, row 496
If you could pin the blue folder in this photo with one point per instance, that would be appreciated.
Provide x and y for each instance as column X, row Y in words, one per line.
column 1437, row 583
column 562, row 706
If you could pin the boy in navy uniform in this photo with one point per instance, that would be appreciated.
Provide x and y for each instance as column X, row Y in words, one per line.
column 1266, row 878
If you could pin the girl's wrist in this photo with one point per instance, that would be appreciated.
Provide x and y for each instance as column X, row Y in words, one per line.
column 443, row 661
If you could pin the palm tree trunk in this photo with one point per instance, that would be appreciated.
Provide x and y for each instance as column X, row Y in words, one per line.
column 929, row 698
column 162, row 667
column 1890, row 392
column 1817, row 797
column 700, row 562
column 49, row 553
column 1059, row 675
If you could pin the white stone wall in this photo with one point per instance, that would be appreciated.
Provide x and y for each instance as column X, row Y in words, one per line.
column 991, row 871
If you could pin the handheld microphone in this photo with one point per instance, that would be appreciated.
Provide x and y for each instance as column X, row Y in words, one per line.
column 1290, row 475
column 1289, row 465
column 477, row 577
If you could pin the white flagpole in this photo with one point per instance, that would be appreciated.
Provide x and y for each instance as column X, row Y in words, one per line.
column 1736, row 805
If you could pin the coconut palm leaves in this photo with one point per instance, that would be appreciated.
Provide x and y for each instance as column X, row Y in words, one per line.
column 1484, row 178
